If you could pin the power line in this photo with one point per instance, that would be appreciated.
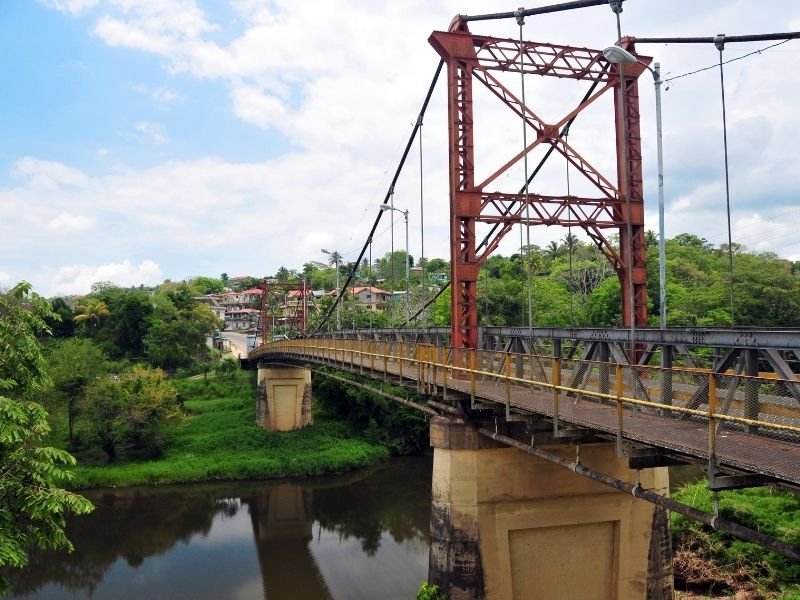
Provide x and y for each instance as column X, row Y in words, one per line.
column 716, row 65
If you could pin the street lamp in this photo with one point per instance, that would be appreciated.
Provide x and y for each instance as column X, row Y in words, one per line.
column 335, row 256
column 620, row 56
column 385, row 207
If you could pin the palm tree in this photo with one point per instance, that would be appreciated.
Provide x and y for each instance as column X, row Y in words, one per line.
column 92, row 311
column 553, row 250
column 334, row 258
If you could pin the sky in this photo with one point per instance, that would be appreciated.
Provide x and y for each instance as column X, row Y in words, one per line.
column 144, row 140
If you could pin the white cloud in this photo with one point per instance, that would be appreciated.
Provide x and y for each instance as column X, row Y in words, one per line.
column 152, row 131
column 69, row 6
column 78, row 279
column 161, row 95
column 343, row 88
column 254, row 106
column 67, row 223
column 4, row 277
column 48, row 174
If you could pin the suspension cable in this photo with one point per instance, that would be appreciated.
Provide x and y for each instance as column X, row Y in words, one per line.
column 538, row 11
column 521, row 22
column 423, row 285
column 390, row 191
column 719, row 42
column 570, row 245
column 507, row 211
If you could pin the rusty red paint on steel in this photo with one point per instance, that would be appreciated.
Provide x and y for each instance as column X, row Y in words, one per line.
column 472, row 57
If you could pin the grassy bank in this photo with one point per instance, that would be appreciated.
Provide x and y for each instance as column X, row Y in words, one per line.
column 712, row 561
column 218, row 439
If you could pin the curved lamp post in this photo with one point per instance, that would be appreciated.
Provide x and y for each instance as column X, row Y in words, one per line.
column 620, row 56
column 335, row 255
column 385, row 207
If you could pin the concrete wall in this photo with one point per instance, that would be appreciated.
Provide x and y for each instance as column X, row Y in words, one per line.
column 506, row 524
column 284, row 398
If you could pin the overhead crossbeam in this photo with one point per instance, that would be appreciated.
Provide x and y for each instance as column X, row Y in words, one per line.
column 621, row 207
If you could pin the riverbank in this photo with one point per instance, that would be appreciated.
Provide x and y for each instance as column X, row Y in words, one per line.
column 219, row 440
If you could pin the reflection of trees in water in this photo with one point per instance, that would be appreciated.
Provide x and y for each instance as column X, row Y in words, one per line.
column 133, row 526
column 395, row 499
column 136, row 525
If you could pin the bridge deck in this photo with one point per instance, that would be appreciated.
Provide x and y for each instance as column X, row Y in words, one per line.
column 737, row 449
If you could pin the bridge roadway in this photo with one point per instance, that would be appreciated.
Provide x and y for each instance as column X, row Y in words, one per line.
column 703, row 416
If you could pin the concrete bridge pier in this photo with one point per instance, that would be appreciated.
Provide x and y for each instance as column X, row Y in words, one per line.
column 505, row 524
column 283, row 398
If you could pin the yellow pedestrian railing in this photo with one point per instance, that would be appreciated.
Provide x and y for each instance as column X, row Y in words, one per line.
column 573, row 389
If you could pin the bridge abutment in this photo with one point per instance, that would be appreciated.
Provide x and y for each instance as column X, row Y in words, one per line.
column 506, row 524
column 283, row 399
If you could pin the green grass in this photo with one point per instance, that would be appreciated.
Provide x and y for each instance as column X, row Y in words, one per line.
column 219, row 439
column 731, row 563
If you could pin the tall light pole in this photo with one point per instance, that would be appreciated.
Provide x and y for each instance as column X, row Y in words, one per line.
column 620, row 56
column 336, row 256
column 408, row 274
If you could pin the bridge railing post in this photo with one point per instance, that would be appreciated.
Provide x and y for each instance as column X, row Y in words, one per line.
column 619, row 388
column 666, row 375
column 473, row 358
column 400, row 354
column 361, row 356
column 556, row 382
column 508, row 384
column 445, row 371
column 385, row 355
column 712, row 428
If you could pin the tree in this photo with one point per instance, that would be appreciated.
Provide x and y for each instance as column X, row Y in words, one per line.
column 61, row 325
column 207, row 285
column 33, row 504
column 130, row 408
column 73, row 364
column 178, row 331
column 91, row 312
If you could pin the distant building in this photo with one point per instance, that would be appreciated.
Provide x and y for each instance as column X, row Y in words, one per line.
column 242, row 318
column 371, row 298
column 213, row 302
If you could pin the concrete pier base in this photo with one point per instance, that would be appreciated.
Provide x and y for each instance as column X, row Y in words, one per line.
column 505, row 524
column 283, row 398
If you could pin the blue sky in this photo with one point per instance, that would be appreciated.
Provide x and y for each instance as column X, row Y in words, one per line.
column 152, row 139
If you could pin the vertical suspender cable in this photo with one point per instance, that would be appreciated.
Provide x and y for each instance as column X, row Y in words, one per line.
column 719, row 42
column 369, row 283
column 521, row 22
column 570, row 244
column 389, row 192
column 423, row 283
column 391, row 256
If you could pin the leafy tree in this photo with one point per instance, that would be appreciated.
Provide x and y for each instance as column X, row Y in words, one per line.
column 32, row 503
column 91, row 312
column 130, row 408
column 177, row 335
column 207, row 285
column 61, row 325
column 128, row 327
column 73, row 364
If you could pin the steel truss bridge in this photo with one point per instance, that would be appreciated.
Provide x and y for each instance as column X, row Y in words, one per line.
column 728, row 400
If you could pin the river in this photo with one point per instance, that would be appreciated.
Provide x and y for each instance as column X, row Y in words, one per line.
column 359, row 535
